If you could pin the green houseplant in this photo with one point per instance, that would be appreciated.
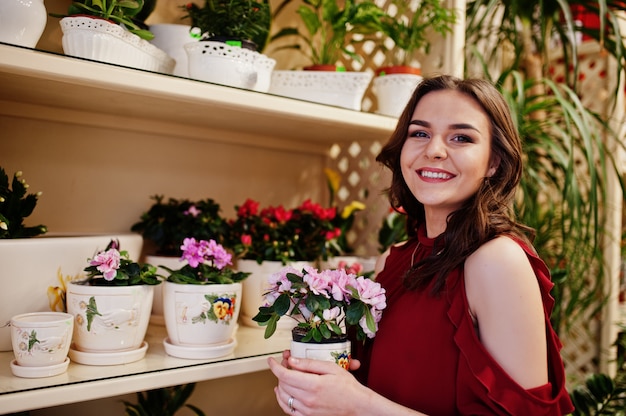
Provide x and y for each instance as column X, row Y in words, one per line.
column 15, row 205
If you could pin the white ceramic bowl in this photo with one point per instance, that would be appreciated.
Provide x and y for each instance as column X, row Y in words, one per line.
column 41, row 339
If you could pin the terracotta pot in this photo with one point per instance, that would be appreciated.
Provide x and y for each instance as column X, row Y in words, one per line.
column 398, row 69
column 320, row 67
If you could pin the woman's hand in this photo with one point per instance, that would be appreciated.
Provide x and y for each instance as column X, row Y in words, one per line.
column 317, row 387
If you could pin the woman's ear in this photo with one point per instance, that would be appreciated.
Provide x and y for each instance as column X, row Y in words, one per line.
column 493, row 167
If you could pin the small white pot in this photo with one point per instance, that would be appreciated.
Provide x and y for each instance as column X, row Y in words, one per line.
column 41, row 339
column 109, row 318
column 200, row 315
column 104, row 41
column 173, row 263
column 22, row 22
column 224, row 64
column 170, row 38
column 342, row 89
column 338, row 352
column 393, row 92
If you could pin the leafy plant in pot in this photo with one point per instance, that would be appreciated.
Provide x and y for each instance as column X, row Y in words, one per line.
column 232, row 32
column 326, row 304
column 409, row 29
column 110, row 31
column 166, row 224
column 201, row 301
column 111, row 307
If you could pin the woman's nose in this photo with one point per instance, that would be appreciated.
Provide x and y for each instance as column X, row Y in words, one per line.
column 436, row 149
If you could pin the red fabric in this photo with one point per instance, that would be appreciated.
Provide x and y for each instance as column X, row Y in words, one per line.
column 427, row 356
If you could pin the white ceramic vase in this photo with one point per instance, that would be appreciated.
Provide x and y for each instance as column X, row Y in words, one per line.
column 341, row 89
column 170, row 38
column 255, row 286
column 22, row 22
column 43, row 266
column 200, row 315
column 104, row 41
column 393, row 92
column 109, row 319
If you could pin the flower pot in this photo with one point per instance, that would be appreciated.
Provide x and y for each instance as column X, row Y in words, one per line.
column 337, row 350
column 104, row 41
column 220, row 63
column 265, row 67
column 393, row 90
column 255, row 286
column 22, row 22
column 157, row 303
column 342, row 89
column 201, row 320
column 42, row 266
column 171, row 38
column 109, row 320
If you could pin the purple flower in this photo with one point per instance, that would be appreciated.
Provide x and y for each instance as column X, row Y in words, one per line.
column 198, row 252
column 107, row 263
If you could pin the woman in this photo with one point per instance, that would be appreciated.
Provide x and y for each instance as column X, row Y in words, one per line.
column 466, row 330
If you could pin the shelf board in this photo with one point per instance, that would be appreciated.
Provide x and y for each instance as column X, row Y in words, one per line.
column 155, row 370
column 40, row 84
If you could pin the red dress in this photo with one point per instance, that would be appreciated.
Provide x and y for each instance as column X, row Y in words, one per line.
column 427, row 356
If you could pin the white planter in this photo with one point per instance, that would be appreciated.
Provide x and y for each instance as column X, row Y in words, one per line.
column 342, row 89
column 200, row 315
column 103, row 41
column 338, row 352
column 393, row 92
column 36, row 270
column 220, row 63
column 255, row 286
column 109, row 319
column 22, row 21
column 170, row 38
column 265, row 68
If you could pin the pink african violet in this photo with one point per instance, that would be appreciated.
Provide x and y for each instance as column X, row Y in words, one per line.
column 197, row 252
column 107, row 262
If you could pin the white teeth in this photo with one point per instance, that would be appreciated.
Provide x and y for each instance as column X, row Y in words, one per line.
column 435, row 175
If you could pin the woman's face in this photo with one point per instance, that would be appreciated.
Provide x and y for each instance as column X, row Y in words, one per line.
column 447, row 152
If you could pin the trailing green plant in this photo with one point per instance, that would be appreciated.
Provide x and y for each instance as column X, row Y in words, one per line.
column 239, row 20
column 409, row 29
column 166, row 401
column 567, row 162
column 121, row 12
column 168, row 222
column 327, row 29
column 15, row 205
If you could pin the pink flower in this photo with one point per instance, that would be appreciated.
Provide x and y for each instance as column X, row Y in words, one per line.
column 197, row 252
column 370, row 292
column 107, row 262
column 246, row 239
column 193, row 211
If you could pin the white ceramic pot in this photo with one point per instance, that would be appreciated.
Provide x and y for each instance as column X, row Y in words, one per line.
column 109, row 318
column 173, row 263
column 393, row 92
column 200, row 315
column 42, row 266
column 255, row 286
column 341, row 89
column 170, row 38
column 22, row 21
column 41, row 339
column 338, row 352
column 224, row 64
column 104, row 41
column 265, row 67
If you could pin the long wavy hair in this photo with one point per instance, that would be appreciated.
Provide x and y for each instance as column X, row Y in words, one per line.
column 482, row 217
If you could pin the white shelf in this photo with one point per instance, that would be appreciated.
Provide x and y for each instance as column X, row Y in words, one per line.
column 155, row 370
column 44, row 85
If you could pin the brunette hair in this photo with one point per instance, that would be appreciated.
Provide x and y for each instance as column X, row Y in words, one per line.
column 485, row 215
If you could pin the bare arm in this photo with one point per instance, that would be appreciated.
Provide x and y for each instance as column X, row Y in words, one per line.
column 505, row 300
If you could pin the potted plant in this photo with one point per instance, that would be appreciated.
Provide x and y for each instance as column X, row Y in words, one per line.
column 59, row 258
column 107, row 31
column 408, row 29
column 111, row 307
column 231, row 32
column 201, row 301
column 324, row 36
column 326, row 304
column 264, row 240
column 166, row 224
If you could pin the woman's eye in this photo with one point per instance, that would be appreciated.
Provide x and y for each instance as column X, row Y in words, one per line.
column 418, row 133
column 463, row 139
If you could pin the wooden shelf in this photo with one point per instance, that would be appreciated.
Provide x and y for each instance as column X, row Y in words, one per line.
column 36, row 84
column 155, row 370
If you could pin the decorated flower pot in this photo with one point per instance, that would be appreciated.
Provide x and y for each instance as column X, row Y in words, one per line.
column 109, row 320
column 157, row 303
column 393, row 91
column 201, row 320
column 337, row 350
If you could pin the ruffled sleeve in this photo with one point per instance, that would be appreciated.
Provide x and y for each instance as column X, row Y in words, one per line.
column 483, row 387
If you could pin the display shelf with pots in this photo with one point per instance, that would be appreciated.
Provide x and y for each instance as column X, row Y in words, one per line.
column 161, row 131
column 157, row 369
